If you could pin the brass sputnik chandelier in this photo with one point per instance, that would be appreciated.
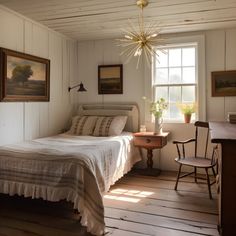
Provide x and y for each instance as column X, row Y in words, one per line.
column 142, row 39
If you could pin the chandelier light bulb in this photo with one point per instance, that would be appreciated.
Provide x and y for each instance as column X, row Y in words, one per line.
column 138, row 52
column 128, row 37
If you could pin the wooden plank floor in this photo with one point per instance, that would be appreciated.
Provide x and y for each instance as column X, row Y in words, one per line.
column 135, row 205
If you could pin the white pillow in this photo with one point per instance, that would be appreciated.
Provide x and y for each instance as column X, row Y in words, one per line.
column 83, row 125
column 109, row 125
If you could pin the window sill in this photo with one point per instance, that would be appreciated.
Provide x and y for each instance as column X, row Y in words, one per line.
column 177, row 122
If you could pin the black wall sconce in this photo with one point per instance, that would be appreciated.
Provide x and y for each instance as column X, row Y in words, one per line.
column 81, row 88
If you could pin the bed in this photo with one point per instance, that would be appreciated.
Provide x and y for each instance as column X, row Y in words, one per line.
column 78, row 169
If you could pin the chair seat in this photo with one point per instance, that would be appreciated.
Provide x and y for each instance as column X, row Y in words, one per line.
column 199, row 162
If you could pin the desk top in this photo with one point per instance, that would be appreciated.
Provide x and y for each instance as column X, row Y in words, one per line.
column 222, row 132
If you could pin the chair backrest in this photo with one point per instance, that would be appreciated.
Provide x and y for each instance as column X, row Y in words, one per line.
column 198, row 125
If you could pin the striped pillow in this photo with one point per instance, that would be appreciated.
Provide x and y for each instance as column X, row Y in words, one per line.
column 109, row 126
column 83, row 125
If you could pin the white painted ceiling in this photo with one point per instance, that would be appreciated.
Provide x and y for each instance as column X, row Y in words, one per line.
column 100, row 19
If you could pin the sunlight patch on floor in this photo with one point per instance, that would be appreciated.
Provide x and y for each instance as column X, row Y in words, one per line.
column 127, row 195
column 125, row 199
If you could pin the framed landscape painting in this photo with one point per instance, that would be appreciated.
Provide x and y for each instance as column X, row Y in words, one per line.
column 110, row 79
column 23, row 77
column 223, row 83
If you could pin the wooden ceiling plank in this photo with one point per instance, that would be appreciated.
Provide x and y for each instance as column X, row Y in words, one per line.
column 171, row 29
column 170, row 23
column 101, row 20
column 81, row 19
column 153, row 13
column 42, row 11
column 34, row 7
column 171, row 26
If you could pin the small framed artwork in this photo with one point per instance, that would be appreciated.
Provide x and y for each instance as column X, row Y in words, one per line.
column 110, row 79
column 223, row 83
column 23, row 77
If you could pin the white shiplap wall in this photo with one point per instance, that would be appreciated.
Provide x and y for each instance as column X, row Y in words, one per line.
column 104, row 52
column 28, row 120
column 220, row 54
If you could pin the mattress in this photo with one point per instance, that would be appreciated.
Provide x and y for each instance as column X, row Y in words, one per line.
column 79, row 169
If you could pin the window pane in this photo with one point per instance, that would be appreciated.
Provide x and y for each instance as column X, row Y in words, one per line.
column 188, row 94
column 162, row 58
column 161, row 92
column 175, row 94
column 161, row 76
column 175, row 75
column 174, row 112
column 189, row 75
column 188, row 56
column 175, row 57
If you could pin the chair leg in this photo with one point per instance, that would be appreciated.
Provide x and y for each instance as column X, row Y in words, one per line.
column 177, row 180
column 208, row 183
column 213, row 170
column 195, row 174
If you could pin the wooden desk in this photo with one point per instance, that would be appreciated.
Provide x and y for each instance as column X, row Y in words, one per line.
column 225, row 134
column 150, row 141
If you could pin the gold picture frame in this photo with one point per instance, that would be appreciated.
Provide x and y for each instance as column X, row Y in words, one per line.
column 24, row 77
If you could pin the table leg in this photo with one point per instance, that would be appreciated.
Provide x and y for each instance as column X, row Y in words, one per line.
column 149, row 159
column 149, row 171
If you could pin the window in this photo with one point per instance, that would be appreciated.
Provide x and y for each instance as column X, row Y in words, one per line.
column 175, row 77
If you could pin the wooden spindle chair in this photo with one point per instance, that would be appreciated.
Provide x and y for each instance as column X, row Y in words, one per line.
column 195, row 160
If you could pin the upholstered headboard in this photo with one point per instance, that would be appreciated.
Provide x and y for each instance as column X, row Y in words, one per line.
column 129, row 110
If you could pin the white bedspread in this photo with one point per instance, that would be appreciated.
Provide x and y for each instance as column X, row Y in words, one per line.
column 76, row 168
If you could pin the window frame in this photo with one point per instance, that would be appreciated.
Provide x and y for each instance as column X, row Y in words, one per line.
column 148, row 75
column 155, row 85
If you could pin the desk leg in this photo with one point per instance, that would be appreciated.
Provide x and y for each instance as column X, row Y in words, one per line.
column 149, row 159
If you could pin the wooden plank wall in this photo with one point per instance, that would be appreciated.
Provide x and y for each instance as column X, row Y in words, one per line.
column 28, row 120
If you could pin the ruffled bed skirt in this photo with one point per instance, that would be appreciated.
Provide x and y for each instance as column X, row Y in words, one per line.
column 53, row 194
